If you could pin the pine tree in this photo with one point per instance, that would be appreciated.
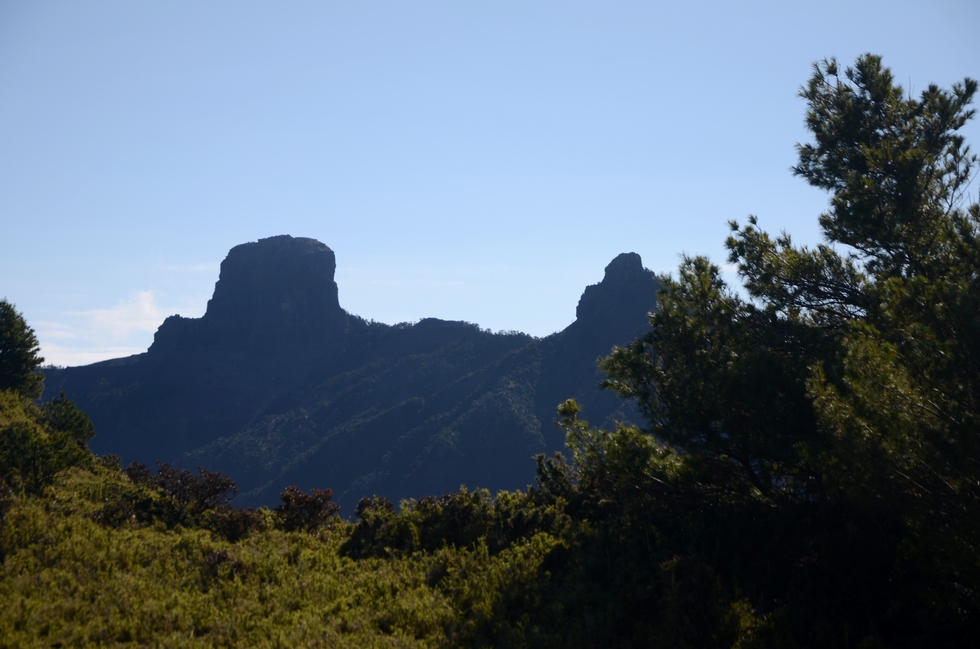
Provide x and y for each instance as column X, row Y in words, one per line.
column 844, row 391
column 19, row 354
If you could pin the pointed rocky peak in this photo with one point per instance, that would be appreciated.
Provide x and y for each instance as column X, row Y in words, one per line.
column 627, row 291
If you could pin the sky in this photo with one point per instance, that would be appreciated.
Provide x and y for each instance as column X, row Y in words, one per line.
column 478, row 161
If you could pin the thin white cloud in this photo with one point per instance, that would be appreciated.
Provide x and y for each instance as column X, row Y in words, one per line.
column 82, row 337
column 70, row 356
column 138, row 313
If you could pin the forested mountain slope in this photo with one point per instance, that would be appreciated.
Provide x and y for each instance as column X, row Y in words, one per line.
column 276, row 384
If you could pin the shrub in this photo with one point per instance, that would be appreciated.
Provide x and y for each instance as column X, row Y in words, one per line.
column 234, row 524
column 305, row 511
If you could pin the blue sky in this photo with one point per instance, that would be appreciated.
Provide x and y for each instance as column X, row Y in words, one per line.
column 465, row 160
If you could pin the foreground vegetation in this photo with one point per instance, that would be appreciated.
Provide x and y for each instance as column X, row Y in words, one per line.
column 807, row 474
column 100, row 556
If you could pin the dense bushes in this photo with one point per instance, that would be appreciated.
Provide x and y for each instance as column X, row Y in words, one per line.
column 175, row 496
column 68, row 579
column 463, row 519
column 305, row 511
column 36, row 442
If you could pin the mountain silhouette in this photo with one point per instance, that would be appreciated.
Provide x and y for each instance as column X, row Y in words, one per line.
column 277, row 385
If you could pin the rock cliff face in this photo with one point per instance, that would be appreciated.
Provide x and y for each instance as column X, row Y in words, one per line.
column 621, row 296
column 276, row 385
column 280, row 284
column 274, row 292
column 612, row 312
column 615, row 310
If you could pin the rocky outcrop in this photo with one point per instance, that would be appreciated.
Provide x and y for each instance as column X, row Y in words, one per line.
column 270, row 293
column 277, row 385
column 622, row 297
column 612, row 312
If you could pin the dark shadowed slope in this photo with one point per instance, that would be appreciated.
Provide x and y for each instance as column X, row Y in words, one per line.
column 276, row 384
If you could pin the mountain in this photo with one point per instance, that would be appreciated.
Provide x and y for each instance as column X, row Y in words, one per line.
column 277, row 385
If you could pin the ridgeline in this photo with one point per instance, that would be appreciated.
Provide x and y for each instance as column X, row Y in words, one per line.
column 277, row 385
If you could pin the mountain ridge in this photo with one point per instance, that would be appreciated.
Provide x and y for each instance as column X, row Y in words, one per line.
column 277, row 384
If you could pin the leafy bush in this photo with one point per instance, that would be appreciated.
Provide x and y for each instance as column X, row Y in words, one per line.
column 234, row 524
column 177, row 496
column 38, row 442
column 305, row 511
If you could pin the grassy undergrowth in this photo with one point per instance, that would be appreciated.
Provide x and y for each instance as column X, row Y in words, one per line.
column 67, row 580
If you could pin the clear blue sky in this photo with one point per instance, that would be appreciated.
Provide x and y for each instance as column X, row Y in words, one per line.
column 477, row 161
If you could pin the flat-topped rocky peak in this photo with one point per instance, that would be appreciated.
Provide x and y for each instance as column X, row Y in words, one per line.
column 626, row 266
column 281, row 280
column 271, row 292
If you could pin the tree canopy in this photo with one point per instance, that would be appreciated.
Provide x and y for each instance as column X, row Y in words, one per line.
column 844, row 387
column 19, row 353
